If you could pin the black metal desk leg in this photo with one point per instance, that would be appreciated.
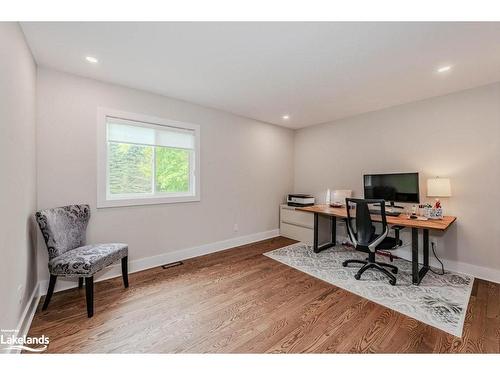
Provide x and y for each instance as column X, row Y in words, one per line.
column 414, row 255
column 315, row 230
column 418, row 274
column 425, row 268
column 333, row 227
column 426, row 248
column 333, row 234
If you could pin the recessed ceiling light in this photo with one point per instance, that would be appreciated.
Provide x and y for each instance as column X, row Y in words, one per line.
column 444, row 69
column 92, row 59
column 285, row 117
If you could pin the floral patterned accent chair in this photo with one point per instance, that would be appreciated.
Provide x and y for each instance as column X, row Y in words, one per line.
column 63, row 230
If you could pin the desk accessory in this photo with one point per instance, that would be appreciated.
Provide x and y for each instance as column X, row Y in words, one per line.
column 438, row 188
column 434, row 213
column 338, row 197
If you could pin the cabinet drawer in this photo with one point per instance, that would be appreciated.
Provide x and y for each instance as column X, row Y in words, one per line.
column 297, row 233
column 294, row 217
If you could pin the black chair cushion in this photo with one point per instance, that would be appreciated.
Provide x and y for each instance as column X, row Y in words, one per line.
column 388, row 243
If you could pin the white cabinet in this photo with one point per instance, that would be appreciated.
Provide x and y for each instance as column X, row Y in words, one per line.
column 297, row 225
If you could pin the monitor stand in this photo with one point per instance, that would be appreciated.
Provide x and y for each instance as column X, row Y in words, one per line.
column 394, row 206
column 391, row 206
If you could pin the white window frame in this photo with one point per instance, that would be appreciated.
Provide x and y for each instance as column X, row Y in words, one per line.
column 103, row 200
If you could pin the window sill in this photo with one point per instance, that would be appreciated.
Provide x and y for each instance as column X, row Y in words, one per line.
column 146, row 201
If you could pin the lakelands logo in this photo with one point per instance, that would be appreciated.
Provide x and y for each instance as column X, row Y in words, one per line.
column 9, row 340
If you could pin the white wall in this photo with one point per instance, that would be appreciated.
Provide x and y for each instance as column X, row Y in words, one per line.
column 246, row 168
column 18, row 175
column 455, row 136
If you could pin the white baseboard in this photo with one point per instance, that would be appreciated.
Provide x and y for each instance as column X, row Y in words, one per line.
column 158, row 260
column 485, row 273
column 479, row 272
column 27, row 317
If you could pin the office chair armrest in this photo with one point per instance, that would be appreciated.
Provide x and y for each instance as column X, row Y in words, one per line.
column 378, row 240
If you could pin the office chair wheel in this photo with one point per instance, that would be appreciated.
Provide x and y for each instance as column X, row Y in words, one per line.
column 392, row 282
column 395, row 271
column 357, row 277
column 344, row 264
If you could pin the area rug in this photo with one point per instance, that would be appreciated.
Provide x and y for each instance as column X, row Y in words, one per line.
column 440, row 300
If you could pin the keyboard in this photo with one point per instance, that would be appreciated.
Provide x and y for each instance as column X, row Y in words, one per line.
column 377, row 212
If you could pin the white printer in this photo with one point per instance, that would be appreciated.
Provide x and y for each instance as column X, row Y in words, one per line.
column 300, row 200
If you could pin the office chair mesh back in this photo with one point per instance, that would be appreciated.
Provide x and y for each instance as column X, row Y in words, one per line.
column 363, row 233
column 364, row 226
column 364, row 238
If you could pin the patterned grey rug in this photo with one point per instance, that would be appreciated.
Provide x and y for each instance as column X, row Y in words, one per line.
column 440, row 301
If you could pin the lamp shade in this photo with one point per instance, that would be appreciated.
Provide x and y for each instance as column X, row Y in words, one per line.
column 438, row 187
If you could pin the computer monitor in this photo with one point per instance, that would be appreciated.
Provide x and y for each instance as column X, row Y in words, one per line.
column 392, row 187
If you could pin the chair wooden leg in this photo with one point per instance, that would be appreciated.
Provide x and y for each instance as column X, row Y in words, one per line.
column 125, row 271
column 50, row 291
column 89, row 292
column 80, row 282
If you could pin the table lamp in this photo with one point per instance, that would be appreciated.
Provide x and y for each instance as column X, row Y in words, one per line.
column 438, row 188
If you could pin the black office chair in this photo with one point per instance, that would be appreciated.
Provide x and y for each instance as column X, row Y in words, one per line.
column 362, row 233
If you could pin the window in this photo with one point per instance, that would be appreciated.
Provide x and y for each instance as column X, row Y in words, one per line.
column 144, row 160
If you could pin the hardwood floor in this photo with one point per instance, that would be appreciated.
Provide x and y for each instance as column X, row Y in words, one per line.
column 240, row 301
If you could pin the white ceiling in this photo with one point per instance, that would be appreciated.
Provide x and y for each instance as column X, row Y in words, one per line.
column 315, row 72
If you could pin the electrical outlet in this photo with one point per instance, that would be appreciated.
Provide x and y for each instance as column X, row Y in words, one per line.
column 236, row 228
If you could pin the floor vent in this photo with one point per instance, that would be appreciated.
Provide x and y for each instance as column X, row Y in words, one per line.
column 170, row 265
